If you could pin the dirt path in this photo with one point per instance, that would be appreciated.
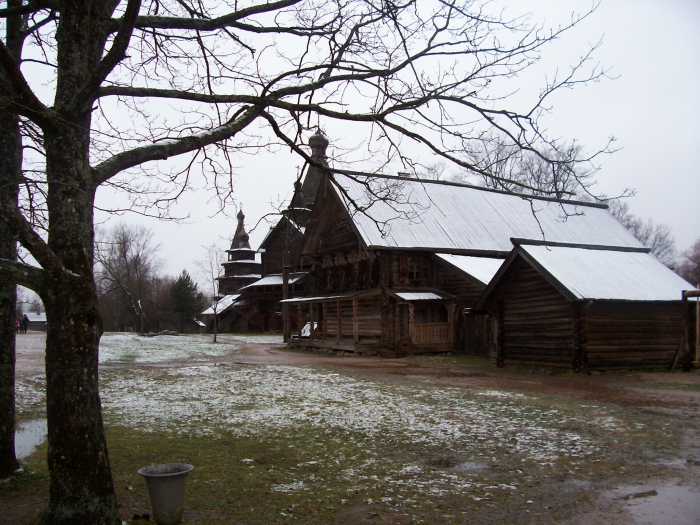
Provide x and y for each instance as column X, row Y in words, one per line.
column 671, row 499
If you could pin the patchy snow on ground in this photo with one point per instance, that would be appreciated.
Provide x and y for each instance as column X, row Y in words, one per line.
column 30, row 394
column 251, row 400
column 133, row 348
column 267, row 339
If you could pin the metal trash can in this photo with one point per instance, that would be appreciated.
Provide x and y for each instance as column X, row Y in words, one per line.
column 166, row 485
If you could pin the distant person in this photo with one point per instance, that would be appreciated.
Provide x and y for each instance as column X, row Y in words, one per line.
column 25, row 323
column 17, row 326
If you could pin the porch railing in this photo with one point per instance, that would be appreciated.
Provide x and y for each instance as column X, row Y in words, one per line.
column 428, row 333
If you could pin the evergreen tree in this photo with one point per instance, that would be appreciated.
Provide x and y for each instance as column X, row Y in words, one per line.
column 188, row 301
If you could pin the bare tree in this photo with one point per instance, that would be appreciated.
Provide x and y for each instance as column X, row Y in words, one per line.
column 209, row 270
column 655, row 236
column 563, row 171
column 128, row 270
column 689, row 268
column 414, row 73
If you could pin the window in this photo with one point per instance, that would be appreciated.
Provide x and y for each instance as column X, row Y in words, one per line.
column 414, row 268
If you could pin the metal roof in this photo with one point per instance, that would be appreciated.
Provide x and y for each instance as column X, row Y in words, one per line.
column 222, row 304
column 274, row 280
column 418, row 296
column 481, row 268
column 449, row 217
column 608, row 274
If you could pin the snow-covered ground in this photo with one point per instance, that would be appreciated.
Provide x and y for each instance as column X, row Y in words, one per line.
column 252, row 400
column 484, row 425
column 403, row 441
column 132, row 348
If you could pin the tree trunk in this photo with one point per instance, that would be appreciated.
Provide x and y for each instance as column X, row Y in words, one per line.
column 81, row 488
column 10, row 176
column 10, row 169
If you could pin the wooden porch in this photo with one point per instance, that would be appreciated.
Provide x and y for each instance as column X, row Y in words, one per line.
column 371, row 322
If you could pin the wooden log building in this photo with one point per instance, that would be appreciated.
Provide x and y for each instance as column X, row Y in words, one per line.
column 397, row 264
column 584, row 307
column 401, row 265
column 250, row 291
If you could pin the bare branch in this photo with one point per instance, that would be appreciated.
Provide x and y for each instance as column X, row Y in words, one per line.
column 23, row 274
column 170, row 148
column 17, row 94
column 116, row 54
column 203, row 24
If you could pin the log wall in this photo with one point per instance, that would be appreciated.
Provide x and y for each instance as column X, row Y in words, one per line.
column 476, row 334
column 536, row 321
column 627, row 334
column 276, row 246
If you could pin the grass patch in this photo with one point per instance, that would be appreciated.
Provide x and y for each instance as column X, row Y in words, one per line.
column 275, row 444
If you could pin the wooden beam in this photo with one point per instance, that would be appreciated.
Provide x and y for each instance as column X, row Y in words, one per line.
column 312, row 321
column 687, row 359
column 339, row 322
column 300, row 321
column 355, row 324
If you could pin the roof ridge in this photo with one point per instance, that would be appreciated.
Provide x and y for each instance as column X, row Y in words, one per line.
column 467, row 185
column 554, row 244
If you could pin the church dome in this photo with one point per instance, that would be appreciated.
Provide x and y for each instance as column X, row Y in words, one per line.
column 318, row 142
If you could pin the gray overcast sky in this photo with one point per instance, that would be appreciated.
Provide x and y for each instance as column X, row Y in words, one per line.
column 652, row 107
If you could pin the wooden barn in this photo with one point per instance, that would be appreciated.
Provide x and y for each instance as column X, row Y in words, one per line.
column 396, row 264
column 584, row 307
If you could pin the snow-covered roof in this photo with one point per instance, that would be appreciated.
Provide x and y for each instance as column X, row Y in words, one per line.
column 37, row 318
column 608, row 274
column 246, row 261
column 336, row 296
column 225, row 302
column 274, row 280
column 451, row 217
column 481, row 268
column 418, row 296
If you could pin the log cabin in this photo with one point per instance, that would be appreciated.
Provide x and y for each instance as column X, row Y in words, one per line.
column 584, row 307
column 397, row 264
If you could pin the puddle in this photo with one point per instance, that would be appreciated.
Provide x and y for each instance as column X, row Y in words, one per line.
column 28, row 436
column 661, row 504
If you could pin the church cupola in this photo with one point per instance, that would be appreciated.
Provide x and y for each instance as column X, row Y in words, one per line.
column 241, row 267
column 318, row 142
column 240, row 238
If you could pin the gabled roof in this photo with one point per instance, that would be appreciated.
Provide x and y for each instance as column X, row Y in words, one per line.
column 463, row 219
column 273, row 229
column 594, row 273
column 275, row 280
column 222, row 304
column 480, row 268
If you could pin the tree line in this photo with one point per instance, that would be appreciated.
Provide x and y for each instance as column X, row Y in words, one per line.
column 134, row 295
